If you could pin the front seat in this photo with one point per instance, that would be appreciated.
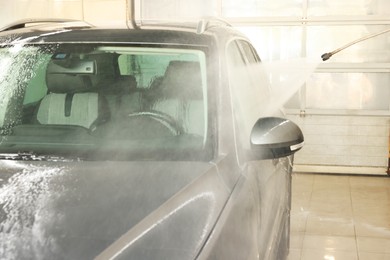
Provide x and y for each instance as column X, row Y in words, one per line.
column 180, row 95
column 70, row 100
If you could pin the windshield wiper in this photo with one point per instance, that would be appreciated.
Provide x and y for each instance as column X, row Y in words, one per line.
column 30, row 156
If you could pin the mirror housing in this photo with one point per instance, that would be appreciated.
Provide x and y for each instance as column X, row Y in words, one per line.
column 274, row 137
column 62, row 64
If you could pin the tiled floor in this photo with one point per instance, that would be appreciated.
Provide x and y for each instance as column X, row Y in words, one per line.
column 340, row 217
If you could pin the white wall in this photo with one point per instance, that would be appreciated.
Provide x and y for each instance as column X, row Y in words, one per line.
column 177, row 9
column 93, row 11
column 344, row 144
column 105, row 12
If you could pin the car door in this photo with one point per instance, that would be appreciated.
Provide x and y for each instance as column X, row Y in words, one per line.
column 251, row 93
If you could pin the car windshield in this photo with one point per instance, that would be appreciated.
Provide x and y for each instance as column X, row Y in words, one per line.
column 103, row 101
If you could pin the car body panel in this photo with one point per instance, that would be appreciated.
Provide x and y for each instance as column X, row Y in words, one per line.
column 81, row 205
column 249, row 226
column 68, row 208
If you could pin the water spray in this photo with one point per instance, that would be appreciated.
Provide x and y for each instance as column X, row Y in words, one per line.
column 326, row 56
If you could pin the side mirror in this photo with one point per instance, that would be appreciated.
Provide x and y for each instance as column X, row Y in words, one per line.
column 274, row 137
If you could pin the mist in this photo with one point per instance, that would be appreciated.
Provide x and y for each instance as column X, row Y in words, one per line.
column 262, row 90
column 286, row 77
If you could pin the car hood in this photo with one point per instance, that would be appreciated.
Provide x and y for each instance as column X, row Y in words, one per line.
column 83, row 210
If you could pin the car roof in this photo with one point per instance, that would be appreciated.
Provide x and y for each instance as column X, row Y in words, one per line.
column 205, row 32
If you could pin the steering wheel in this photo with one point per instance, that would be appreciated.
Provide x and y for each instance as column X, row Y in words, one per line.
column 164, row 119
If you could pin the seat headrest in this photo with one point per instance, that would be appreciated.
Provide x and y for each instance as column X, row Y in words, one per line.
column 182, row 78
column 120, row 85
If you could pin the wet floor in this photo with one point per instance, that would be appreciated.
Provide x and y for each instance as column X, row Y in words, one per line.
column 340, row 217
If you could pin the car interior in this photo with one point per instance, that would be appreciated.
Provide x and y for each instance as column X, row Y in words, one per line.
column 101, row 98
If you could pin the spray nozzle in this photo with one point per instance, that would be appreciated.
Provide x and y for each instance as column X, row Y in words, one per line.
column 326, row 56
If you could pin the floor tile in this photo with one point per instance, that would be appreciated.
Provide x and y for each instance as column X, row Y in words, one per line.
column 294, row 254
column 330, row 208
column 303, row 179
column 371, row 193
column 373, row 245
column 319, row 254
column 370, row 227
column 373, row 256
column 331, row 226
column 296, row 240
column 298, row 222
column 330, row 181
column 379, row 212
column 298, row 204
column 336, row 243
column 340, row 195
column 371, row 181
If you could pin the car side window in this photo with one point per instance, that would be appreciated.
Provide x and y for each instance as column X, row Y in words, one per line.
column 248, row 88
column 249, row 52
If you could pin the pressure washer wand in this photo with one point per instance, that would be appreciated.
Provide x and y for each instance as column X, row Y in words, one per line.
column 327, row 55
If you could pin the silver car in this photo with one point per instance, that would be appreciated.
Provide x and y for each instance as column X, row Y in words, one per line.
column 145, row 143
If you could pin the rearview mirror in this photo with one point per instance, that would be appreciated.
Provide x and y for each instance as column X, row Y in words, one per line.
column 72, row 66
column 274, row 137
